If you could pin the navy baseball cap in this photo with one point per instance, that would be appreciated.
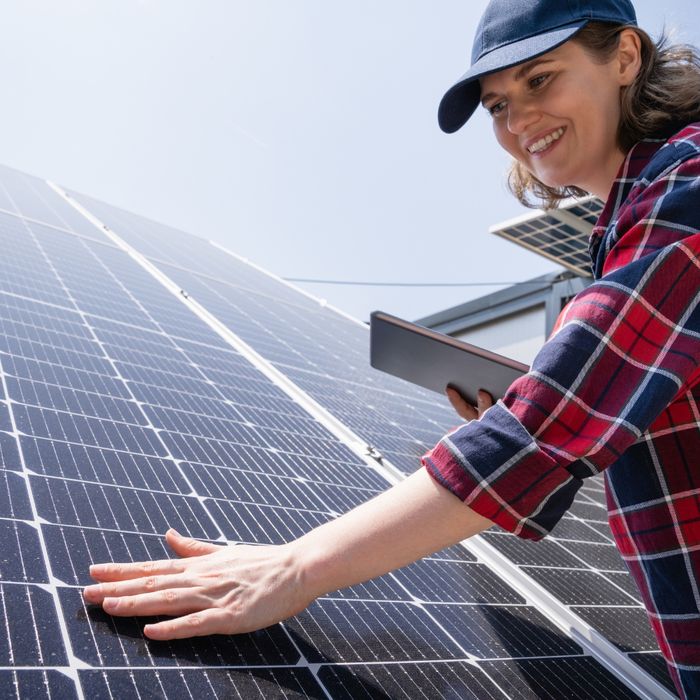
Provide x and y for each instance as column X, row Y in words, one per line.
column 514, row 31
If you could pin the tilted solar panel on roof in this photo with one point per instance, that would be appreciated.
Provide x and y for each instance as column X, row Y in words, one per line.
column 324, row 355
column 559, row 234
column 122, row 413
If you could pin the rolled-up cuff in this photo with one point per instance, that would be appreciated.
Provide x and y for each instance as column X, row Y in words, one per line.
column 496, row 468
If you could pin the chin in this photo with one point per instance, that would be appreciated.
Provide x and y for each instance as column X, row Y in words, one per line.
column 553, row 181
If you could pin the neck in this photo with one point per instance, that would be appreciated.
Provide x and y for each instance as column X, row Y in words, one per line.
column 602, row 183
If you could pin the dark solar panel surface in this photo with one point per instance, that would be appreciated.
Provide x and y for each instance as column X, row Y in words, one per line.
column 325, row 355
column 121, row 413
column 580, row 566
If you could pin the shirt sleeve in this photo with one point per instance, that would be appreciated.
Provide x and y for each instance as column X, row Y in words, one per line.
column 621, row 351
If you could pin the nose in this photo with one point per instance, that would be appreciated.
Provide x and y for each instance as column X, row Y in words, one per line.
column 521, row 115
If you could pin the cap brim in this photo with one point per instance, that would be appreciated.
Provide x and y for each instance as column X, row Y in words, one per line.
column 463, row 97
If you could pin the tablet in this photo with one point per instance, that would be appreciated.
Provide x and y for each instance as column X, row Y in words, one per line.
column 434, row 360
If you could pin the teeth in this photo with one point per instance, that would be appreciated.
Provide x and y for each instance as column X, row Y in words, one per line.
column 545, row 141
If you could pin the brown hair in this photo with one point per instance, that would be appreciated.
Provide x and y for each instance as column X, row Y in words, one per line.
column 664, row 96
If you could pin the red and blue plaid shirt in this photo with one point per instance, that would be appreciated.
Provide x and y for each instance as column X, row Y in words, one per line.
column 616, row 388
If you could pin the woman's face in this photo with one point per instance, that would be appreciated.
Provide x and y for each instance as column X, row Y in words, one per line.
column 558, row 114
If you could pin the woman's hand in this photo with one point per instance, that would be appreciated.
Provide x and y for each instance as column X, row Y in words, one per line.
column 212, row 589
column 229, row 590
column 465, row 410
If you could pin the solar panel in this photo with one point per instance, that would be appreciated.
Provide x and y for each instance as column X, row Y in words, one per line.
column 558, row 234
column 359, row 397
column 123, row 412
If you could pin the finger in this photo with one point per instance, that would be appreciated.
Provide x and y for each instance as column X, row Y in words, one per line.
column 140, row 569
column 188, row 546
column 464, row 410
column 484, row 400
column 209, row 621
column 115, row 589
column 172, row 601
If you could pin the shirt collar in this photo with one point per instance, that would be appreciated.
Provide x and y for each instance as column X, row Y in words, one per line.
column 627, row 175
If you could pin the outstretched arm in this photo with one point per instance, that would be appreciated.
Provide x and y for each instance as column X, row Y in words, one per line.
column 235, row 589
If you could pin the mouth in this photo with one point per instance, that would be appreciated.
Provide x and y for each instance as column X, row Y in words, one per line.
column 546, row 141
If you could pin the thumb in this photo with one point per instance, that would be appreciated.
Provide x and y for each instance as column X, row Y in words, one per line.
column 188, row 546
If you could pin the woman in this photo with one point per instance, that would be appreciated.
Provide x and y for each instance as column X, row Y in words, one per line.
column 584, row 103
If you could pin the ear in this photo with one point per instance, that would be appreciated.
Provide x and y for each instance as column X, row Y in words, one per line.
column 629, row 56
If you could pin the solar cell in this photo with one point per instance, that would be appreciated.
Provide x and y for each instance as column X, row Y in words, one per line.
column 32, row 635
column 21, row 559
column 628, row 628
column 51, row 685
column 577, row 586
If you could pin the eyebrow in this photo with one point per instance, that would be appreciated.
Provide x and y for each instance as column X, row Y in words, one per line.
column 524, row 70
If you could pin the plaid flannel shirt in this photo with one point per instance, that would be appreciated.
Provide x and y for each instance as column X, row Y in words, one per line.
column 616, row 388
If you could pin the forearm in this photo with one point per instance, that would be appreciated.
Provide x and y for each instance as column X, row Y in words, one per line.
column 411, row 520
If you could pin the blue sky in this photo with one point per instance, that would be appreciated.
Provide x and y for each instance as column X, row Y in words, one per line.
column 300, row 133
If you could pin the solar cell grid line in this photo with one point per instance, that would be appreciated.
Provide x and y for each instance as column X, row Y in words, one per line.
column 22, row 272
column 591, row 535
column 168, row 283
column 655, row 665
column 193, row 252
column 416, row 449
column 468, row 681
column 575, row 678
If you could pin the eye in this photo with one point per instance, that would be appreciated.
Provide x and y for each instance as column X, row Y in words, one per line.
column 495, row 109
column 539, row 80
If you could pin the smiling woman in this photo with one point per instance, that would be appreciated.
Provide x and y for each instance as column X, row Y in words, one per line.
column 558, row 115
column 615, row 389
column 661, row 97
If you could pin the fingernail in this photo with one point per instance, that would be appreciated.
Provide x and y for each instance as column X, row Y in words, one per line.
column 89, row 592
column 175, row 532
column 110, row 603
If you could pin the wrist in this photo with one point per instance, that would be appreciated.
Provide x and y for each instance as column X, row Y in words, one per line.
column 310, row 565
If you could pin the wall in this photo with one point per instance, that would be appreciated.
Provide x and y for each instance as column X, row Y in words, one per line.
column 519, row 335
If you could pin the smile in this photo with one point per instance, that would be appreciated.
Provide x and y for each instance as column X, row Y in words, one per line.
column 545, row 141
